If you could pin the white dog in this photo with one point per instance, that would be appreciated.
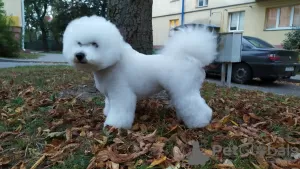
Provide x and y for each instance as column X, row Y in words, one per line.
column 124, row 75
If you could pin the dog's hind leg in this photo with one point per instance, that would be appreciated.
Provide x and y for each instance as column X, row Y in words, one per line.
column 192, row 108
column 122, row 105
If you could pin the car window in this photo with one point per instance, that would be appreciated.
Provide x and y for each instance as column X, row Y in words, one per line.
column 258, row 43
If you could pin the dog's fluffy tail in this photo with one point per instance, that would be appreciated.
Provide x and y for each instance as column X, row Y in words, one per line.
column 196, row 44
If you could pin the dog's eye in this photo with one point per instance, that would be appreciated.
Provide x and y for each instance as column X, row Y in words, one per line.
column 95, row 44
column 79, row 43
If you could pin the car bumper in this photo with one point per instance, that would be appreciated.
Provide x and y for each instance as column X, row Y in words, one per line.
column 277, row 70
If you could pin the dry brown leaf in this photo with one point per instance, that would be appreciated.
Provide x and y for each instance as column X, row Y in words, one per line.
column 177, row 154
column 145, row 117
column 157, row 161
column 286, row 163
column 23, row 166
column 157, row 149
column 4, row 161
column 103, row 141
column 118, row 141
column 68, row 134
column 262, row 162
column 227, row 164
column 121, row 158
column 102, row 156
column 246, row 118
column 143, row 128
column 38, row 162
column 274, row 166
column 254, row 116
column 92, row 163
column 136, row 127
column 113, row 165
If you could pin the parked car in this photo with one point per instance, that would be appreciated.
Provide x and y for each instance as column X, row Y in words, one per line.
column 259, row 59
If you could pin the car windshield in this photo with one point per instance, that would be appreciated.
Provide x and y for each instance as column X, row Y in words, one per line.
column 258, row 42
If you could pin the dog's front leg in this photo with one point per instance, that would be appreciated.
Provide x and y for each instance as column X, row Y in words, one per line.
column 121, row 109
column 106, row 107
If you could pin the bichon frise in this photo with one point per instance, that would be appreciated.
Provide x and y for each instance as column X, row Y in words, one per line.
column 124, row 75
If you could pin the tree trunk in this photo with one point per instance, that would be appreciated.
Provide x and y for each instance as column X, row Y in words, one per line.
column 44, row 37
column 134, row 20
column 104, row 8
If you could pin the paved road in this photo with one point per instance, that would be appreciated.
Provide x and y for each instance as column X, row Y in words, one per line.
column 46, row 57
column 16, row 64
column 281, row 88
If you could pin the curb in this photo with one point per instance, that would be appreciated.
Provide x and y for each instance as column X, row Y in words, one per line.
column 28, row 61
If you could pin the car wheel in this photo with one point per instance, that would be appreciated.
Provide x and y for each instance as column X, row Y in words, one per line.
column 268, row 79
column 241, row 73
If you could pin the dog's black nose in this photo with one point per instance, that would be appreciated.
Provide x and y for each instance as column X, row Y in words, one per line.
column 80, row 56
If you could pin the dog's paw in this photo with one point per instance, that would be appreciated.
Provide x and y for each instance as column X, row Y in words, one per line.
column 200, row 120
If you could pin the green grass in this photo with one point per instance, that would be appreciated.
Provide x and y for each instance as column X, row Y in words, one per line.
column 29, row 55
column 76, row 161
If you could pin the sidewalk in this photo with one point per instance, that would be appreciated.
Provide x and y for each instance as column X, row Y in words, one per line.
column 45, row 58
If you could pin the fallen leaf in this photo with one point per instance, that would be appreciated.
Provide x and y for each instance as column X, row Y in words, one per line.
column 254, row 116
column 225, row 119
column 102, row 156
column 38, row 162
column 68, row 135
column 143, row 128
column 246, row 118
column 103, row 141
column 177, row 166
column 157, row 162
column 227, row 164
column 113, row 165
column 135, row 127
column 274, row 166
column 178, row 156
column 4, row 161
column 121, row 158
column 157, row 149
column 144, row 117
column 19, row 109
column 118, row 141
column 56, row 134
column 262, row 162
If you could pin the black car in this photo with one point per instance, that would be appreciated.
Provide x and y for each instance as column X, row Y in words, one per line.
column 259, row 59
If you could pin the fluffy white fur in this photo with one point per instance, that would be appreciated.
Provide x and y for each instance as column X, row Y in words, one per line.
column 124, row 75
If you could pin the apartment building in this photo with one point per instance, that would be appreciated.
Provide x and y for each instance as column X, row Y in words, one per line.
column 267, row 19
column 14, row 11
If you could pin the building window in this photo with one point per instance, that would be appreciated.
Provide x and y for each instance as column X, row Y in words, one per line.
column 202, row 3
column 236, row 21
column 173, row 23
column 283, row 18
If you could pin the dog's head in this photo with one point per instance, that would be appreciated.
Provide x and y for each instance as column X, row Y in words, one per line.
column 92, row 43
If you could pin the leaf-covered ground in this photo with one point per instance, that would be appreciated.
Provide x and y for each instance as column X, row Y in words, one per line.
column 42, row 128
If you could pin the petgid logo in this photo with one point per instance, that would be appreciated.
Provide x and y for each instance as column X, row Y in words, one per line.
column 199, row 158
column 265, row 150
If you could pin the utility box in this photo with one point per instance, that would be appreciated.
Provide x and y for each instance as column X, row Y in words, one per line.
column 229, row 47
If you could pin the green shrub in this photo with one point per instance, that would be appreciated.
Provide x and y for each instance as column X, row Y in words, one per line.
column 9, row 47
column 292, row 40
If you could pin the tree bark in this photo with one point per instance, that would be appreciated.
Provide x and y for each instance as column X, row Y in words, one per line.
column 134, row 20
